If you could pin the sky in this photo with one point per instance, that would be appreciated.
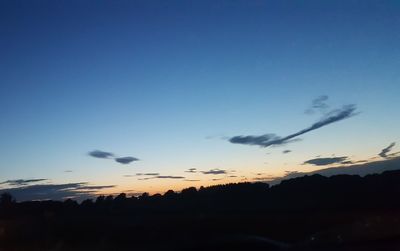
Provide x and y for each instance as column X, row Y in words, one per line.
column 168, row 86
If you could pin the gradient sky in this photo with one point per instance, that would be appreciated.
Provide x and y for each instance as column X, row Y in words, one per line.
column 169, row 81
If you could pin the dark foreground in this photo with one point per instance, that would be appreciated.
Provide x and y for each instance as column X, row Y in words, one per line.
column 309, row 213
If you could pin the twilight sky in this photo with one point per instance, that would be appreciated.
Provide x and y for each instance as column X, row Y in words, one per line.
column 134, row 96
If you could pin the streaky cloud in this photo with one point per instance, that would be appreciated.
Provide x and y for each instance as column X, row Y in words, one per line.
column 147, row 174
column 215, row 171
column 267, row 140
column 168, row 177
column 327, row 161
column 318, row 104
column 386, row 150
column 21, row 182
column 191, row 170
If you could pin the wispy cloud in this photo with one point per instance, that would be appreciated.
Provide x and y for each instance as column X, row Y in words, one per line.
column 386, row 150
column 215, row 171
column 147, row 174
column 267, row 140
column 318, row 104
column 286, row 151
column 126, row 160
column 21, row 182
column 168, row 177
column 162, row 177
column 326, row 161
column 191, row 170
column 101, row 154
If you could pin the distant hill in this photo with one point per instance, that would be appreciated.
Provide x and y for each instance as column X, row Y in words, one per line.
column 363, row 169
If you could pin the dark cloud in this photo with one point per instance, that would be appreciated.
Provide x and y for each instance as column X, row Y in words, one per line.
column 147, row 174
column 78, row 191
column 191, row 180
column 101, row 154
column 163, row 177
column 286, row 151
column 191, row 170
column 267, row 140
column 126, row 160
column 318, row 104
column 168, row 177
column 347, row 162
column 21, row 182
column 386, row 150
column 265, row 179
column 326, row 161
column 215, row 171
column 216, row 179
column 68, row 171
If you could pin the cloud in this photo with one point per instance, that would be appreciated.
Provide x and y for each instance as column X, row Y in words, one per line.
column 191, row 180
column 318, row 104
column 68, row 171
column 168, row 177
column 191, row 170
column 101, row 154
column 126, row 160
column 147, row 174
column 263, row 178
column 386, row 150
column 267, row 140
column 326, row 161
column 163, row 177
column 286, row 151
column 214, row 171
column 77, row 191
column 21, row 182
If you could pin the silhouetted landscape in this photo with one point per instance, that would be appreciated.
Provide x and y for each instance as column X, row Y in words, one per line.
column 191, row 125
column 342, row 212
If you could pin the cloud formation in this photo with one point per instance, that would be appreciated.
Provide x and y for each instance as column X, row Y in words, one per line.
column 286, row 151
column 191, row 170
column 126, row 160
column 326, row 161
column 267, row 140
column 318, row 104
column 168, row 177
column 147, row 174
column 163, row 177
column 386, row 150
column 21, row 182
column 108, row 155
column 77, row 191
column 101, row 154
column 214, row 171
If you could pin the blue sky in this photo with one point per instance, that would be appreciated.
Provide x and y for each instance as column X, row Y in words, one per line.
column 169, row 82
